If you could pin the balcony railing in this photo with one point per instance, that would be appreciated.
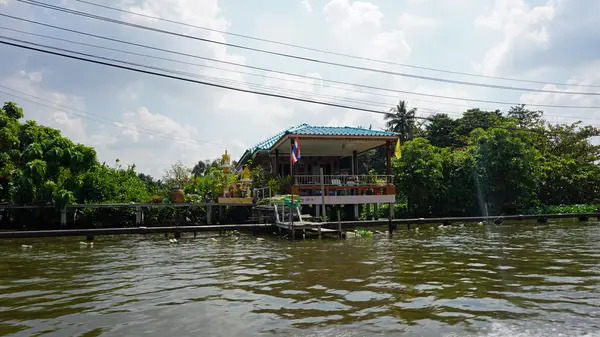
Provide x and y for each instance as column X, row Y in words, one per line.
column 343, row 180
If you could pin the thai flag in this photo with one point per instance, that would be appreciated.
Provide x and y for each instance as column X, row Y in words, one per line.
column 295, row 151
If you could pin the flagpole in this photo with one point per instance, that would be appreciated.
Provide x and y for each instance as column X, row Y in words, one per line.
column 291, row 163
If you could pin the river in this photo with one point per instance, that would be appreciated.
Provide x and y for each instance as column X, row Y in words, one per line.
column 510, row 280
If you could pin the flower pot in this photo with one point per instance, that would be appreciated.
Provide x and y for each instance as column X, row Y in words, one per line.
column 177, row 195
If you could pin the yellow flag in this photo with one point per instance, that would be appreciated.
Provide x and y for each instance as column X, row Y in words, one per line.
column 398, row 153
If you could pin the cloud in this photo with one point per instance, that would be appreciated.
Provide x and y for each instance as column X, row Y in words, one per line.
column 408, row 20
column 52, row 107
column 586, row 75
column 307, row 6
column 541, row 41
column 359, row 26
column 522, row 27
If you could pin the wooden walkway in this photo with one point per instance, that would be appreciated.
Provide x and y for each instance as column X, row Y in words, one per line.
column 323, row 227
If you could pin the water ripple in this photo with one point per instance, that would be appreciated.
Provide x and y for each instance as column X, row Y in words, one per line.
column 513, row 279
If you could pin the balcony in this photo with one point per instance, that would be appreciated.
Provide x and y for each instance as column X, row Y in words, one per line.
column 314, row 181
column 345, row 189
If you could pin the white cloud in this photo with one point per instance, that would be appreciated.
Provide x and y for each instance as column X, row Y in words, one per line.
column 408, row 20
column 586, row 75
column 307, row 6
column 522, row 26
column 52, row 106
column 359, row 26
column 345, row 15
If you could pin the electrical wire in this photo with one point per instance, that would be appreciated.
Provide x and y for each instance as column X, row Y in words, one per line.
column 239, row 89
column 332, row 52
column 302, row 76
column 302, row 58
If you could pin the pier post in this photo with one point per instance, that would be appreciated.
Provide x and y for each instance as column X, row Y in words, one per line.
column 138, row 215
column 209, row 214
column 368, row 206
column 339, row 219
column 89, row 238
column 390, row 218
column 356, row 214
column 63, row 217
column 177, row 235
column 376, row 212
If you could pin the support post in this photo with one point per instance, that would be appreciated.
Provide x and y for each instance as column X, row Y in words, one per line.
column 339, row 223
column 356, row 215
column 177, row 234
column 138, row 215
column 209, row 214
column 354, row 163
column 391, row 217
column 388, row 146
column 323, row 192
column 368, row 206
column 276, row 162
column 376, row 212
column 63, row 217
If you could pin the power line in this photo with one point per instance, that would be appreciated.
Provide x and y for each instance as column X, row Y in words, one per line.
column 223, row 69
column 222, row 80
column 301, row 76
column 101, row 119
column 302, row 58
column 252, row 84
column 331, row 52
column 239, row 89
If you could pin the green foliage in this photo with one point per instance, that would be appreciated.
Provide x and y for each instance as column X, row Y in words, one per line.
column 487, row 161
column 562, row 209
column 401, row 120
column 419, row 175
column 365, row 233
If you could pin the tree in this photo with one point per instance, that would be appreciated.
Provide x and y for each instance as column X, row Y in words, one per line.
column 441, row 131
column 200, row 168
column 402, row 121
column 177, row 175
column 419, row 175
column 526, row 118
column 478, row 119
column 508, row 168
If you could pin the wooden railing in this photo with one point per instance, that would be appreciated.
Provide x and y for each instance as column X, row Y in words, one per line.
column 343, row 180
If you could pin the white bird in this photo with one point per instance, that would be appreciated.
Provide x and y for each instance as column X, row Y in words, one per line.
column 26, row 246
column 173, row 240
column 480, row 223
column 213, row 240
column 260, row 239
column 85, row 244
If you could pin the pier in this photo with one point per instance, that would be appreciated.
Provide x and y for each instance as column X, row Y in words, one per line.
column 272, row 217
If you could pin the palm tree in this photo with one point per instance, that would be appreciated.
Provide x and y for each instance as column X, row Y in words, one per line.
column 401, row 121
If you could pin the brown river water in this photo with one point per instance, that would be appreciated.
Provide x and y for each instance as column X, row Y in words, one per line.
column 519, row 279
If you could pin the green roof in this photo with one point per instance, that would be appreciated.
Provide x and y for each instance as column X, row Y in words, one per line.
column 309, row 130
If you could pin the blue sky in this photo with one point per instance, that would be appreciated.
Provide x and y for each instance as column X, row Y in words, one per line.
column 554, row 41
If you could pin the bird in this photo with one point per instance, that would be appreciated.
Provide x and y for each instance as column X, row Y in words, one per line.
column 26, row 246
column 173, row 241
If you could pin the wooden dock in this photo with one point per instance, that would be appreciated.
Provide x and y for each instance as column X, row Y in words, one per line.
column 272, row 216
column 130, row 230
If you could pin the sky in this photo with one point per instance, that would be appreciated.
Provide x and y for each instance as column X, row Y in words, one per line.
column 154, row 122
